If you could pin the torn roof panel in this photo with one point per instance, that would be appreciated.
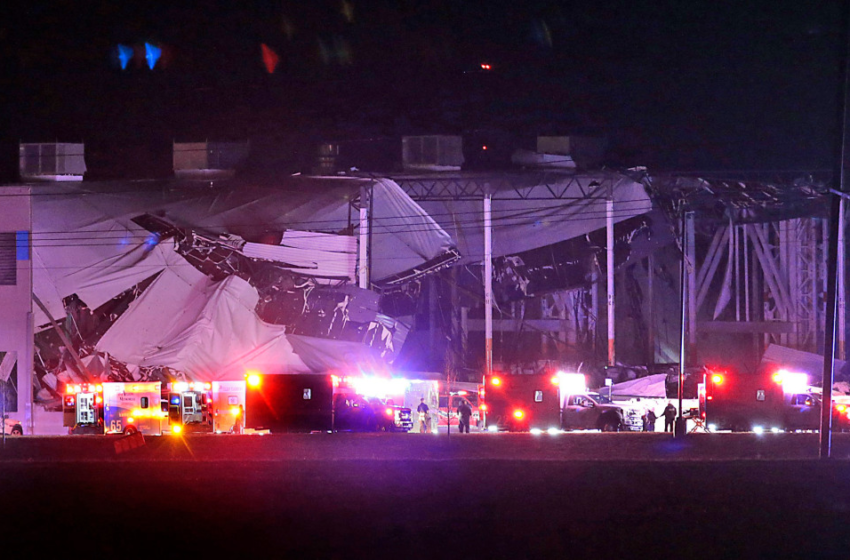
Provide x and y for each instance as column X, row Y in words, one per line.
column 529, row 214
column 310, row 257
column 83, row 233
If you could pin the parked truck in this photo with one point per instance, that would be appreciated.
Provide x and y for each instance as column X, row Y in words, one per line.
column 323, row 402
column 552, row 402
column 519, row 403
column 769, row 400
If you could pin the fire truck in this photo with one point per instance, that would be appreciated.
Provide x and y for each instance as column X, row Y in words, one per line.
column 777, row 400
column 113, row 408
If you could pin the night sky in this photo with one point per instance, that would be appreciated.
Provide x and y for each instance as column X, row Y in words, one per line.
column 674, row 85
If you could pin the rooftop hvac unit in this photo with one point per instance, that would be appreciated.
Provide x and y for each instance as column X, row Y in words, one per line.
column 586, row 151
column 52, row 161
column 432, row 153
column 205, row 159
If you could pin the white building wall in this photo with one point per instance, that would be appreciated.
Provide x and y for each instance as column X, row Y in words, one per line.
column 16, row 300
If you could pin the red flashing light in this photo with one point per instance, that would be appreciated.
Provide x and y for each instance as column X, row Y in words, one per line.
column 483, row 406
column 717, row 379
column 519, row 414
column 253, row 380
column 389, row 412
column 485, row 66
column 462, row 393
column 495, row 381
column 555, row 380
column 709, row 397
column 840, row 407
column 484, row 148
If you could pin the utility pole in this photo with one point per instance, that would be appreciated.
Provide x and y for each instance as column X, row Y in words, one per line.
column 679, row 429
column 832, row 259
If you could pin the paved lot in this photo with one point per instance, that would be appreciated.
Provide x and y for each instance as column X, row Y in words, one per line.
column 411, row 496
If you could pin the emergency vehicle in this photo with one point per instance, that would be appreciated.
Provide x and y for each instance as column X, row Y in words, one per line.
column 324, row 402
column 449, row 401
column 113, row 408
column 777, row 400
column 519, row 403
column 12, row 427
column 189, row 407
column 289, row 403
column 228, row 403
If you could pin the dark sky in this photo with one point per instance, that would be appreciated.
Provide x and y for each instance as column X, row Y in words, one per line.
column 674, row 85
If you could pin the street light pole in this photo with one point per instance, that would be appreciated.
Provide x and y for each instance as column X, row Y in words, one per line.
column 832, row 257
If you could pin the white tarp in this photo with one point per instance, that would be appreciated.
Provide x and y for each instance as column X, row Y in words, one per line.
column 651, row 386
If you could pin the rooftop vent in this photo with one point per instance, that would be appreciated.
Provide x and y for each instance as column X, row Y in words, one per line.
column 52, row 161
column 432, row 153
column 206, row 160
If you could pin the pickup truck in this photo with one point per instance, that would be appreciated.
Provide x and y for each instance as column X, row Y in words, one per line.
column 592, row 411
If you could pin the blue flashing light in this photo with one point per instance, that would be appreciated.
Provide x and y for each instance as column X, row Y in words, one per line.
column 152, row 54
column 175, row 400
column 151, row 241
column 125, row 55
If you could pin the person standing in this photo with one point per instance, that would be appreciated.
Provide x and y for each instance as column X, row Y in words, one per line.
column 464, row 412
column 424, row 417
column 650, row 420
column 669, row 416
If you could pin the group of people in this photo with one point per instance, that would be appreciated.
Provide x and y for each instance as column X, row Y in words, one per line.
column 464, row 413
column 649, row 417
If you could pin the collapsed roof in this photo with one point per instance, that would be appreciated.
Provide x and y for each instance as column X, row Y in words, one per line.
column 215, row 281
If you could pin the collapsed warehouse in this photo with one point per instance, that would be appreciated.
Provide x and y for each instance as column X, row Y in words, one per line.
column 204, row 278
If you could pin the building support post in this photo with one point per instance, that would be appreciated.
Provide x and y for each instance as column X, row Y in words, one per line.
column 690, row 271
column 488, row 285
column 364, row 237
column 609, row 264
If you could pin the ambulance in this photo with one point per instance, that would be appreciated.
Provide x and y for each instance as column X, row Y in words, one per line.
column 113, row 408
column 228, row 398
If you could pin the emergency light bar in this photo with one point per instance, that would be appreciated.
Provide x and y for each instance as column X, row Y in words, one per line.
column 570, row 383
column 792, row 382
column 378, row 386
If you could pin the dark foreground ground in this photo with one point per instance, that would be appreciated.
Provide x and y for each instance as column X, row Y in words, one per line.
column 405, row 496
